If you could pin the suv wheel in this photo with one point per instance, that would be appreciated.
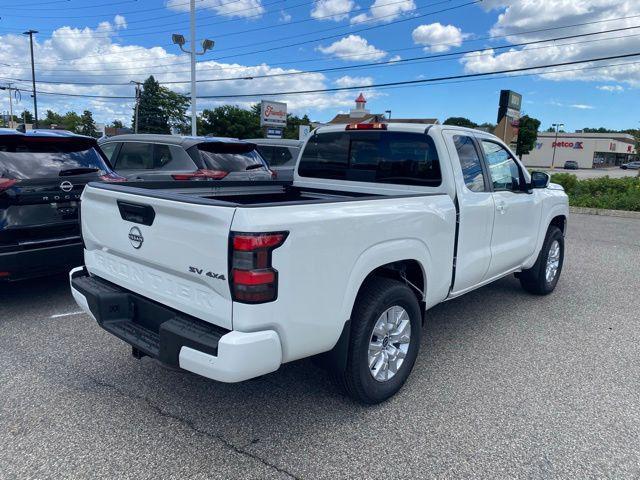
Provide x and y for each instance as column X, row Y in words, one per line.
column 384, row 342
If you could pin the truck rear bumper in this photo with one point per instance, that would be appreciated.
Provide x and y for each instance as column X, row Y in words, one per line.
column 174, row 338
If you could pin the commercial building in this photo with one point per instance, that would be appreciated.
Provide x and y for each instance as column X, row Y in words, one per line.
column 360, row 114
column 590, row 150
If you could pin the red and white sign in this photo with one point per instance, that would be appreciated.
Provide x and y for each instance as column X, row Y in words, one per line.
column 273, row 114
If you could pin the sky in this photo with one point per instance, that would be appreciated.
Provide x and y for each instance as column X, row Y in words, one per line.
column 87, row 51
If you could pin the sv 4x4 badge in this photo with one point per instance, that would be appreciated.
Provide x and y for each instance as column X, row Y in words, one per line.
column 200, row 271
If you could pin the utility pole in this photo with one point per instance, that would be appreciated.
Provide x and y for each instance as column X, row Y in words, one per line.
column 206, row 45
column 33, row 78
column 555, row 143
column 137, row 109
column 10, row 89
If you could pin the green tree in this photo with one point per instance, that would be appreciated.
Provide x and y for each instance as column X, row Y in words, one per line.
column 27, row 116
column 460, row 122
column 230, row 121
column 51, row 120
column 160, row 109
column 87, row 125
column 71, row 121
column 293, row 123
column 116, row 124
column 527, row 135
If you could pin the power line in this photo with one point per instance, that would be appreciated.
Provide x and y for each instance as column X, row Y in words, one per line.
column 399, row 62
column 385, row 84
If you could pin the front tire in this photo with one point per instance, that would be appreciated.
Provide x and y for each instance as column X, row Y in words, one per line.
column 542, row 278
column 386, row 327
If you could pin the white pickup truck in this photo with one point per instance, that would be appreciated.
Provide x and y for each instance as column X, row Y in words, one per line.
column 381, row 223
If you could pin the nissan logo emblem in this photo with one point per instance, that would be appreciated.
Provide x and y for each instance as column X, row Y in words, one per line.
column 135, row 237
column 66, row 186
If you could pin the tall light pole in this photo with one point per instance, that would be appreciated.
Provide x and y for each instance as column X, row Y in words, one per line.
column 555, row 143
column 11, row 93
column 33, row 78
column 206, row 45
column 137, row 109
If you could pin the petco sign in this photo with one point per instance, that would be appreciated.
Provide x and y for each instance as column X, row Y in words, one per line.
column 574, row 145
column 273, row 114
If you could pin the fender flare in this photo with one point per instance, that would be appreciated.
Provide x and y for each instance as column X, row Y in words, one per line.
column 556, row 211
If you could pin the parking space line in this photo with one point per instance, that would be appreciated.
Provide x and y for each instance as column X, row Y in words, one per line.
column 68, row 314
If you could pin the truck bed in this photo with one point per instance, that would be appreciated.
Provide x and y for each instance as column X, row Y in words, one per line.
column 241, row 194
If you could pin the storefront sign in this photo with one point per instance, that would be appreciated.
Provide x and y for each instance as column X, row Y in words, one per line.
column 273, row 114
column 574, row 145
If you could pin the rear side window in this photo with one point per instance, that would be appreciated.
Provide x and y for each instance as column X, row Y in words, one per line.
column 171, row 157
column 135, row 156
column 381, row 157
column 37, row 157
column 470, row 163
column 230, row 157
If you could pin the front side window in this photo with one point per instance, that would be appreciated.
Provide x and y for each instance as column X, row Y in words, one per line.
column 503, row 169
column 470, row 163
column 382, row 157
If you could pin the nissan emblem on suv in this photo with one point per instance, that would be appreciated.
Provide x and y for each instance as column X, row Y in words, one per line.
column 135, row 237
column 66, row 186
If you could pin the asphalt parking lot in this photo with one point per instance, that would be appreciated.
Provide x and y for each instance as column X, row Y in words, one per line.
column 507, row 385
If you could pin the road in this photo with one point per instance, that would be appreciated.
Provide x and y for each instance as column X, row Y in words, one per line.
column 507, row 385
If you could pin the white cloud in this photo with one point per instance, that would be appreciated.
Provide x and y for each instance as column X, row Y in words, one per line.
column 385, row 11
column 582, row 106
column 354, row 48
column 518, row 17
column 611, row 88
column 235, row 8
column 348, row 81
column 395, row 58
column 335, row 10
column 436, row 37
column 285, row 17
column 120, row 22
column 93, row 55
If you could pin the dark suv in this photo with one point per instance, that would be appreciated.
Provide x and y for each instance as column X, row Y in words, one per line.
column 42, row 174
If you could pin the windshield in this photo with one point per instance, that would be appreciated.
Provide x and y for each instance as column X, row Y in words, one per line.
column 231, row 157
column 28, row 159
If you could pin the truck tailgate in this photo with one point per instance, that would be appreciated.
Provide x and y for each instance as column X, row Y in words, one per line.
column 173, row 252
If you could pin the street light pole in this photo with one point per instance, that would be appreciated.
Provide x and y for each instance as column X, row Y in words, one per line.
column 206, row 45
column 192, row 20
column 137, row 109
column 555, row 143
column 33, row 78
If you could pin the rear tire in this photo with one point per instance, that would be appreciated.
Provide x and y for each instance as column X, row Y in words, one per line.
column 542, row 278
column 385, row 336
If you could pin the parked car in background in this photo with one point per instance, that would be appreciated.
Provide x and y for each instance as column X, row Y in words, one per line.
column 280, row 154
column 630, row 166
column 42, row 174
column 172, row 157
column 571, row 165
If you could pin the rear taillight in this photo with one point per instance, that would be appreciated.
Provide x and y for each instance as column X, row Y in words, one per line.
column 112, row 177
column 253, row 278
column 201, row 174
column 7, row 183
column 366, row 126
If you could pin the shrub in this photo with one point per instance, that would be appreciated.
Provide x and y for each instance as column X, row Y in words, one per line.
column 604, row 192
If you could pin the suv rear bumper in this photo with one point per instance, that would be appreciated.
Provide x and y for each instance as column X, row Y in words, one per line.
column 175, row 338
column 36, row 262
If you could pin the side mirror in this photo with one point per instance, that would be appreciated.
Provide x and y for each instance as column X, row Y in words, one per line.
column 540, row 179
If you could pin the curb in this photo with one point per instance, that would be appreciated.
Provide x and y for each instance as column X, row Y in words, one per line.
column 605, row 212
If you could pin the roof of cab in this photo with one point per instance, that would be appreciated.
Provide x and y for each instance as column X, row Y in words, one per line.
column 183, row 141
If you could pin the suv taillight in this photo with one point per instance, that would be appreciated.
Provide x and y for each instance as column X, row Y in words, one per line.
column 112, row 177
column 252, row 277
column 7, row 183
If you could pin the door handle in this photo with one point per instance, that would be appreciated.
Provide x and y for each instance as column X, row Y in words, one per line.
column 501, row 207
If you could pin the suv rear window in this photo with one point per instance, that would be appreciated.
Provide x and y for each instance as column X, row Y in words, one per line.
column 230, row 157
column 372, row 156
column 37, row 157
